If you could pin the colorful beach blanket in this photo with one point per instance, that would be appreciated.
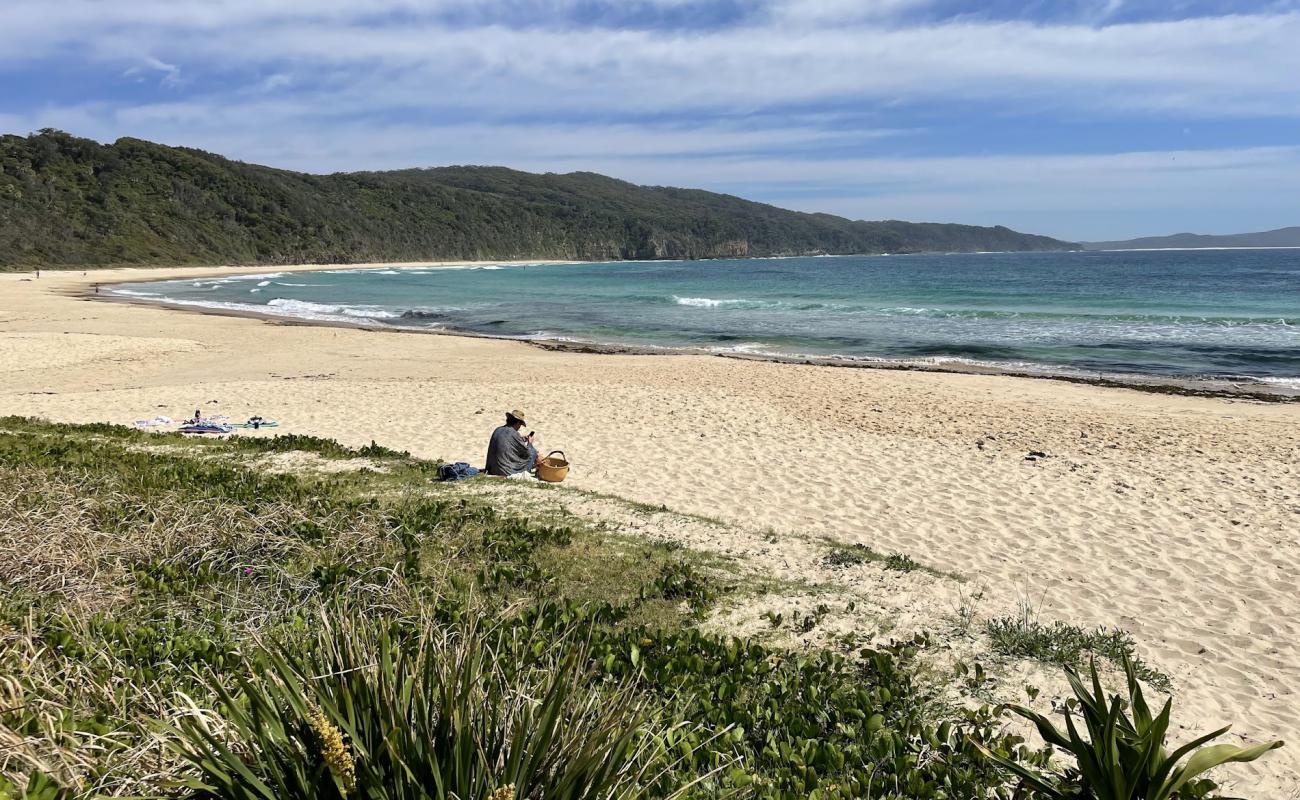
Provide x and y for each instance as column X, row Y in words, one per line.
column 205, row 427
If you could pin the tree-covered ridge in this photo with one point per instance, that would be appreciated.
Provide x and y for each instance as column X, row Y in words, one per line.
column 1281, row 237
column 68, row 201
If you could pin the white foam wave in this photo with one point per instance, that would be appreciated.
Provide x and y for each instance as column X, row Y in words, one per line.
column 369, row 312
column 263, row 283
column 909, row 310
column 547, row 336
column 705, row 302
column 212, row 283
column 750, row 349
column 995, row 364
column 304, row 307
column 1293, row 383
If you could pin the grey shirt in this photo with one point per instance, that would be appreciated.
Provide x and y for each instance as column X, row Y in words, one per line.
column 507, row 452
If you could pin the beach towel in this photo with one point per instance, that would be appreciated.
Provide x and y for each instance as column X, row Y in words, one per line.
column 205, row 427
column 152, row 423
column 215, row 419
column 456, row 472
column 257, row 422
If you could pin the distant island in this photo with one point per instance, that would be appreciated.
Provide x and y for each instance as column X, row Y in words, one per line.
column 1282, row 237
column 67, row 201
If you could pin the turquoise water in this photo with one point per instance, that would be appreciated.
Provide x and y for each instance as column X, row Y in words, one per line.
column 1219, row 313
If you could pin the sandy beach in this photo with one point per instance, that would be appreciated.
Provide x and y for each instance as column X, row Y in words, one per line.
column 1174, row 518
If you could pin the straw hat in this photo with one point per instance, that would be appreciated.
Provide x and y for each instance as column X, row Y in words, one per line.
column 517, row 414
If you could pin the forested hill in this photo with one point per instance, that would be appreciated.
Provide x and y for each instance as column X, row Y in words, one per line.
column 1282, row 237
column 67, row 201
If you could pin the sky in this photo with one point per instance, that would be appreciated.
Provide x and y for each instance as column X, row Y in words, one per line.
column 1082, row 119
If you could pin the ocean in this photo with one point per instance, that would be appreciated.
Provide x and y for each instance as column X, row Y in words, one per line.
column 1229, row 315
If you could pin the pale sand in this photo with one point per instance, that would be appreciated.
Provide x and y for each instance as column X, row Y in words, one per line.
column 1175, row 518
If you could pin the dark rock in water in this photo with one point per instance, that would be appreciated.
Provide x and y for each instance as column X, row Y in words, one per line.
column 422, row 315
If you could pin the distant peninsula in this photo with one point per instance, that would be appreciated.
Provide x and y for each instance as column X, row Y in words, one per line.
column 67, row 201
column 1282, row 237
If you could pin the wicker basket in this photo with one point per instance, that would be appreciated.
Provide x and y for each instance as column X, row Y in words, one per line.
column 552, row 469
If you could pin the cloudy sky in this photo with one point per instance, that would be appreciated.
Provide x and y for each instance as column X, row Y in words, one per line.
column 1084, row 119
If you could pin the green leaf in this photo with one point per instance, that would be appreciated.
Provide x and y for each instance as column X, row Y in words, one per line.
column 1028, row 777
column 1211, row 757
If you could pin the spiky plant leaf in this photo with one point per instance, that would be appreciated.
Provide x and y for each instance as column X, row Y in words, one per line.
column 1209, row 758
column 1123, row 757
column 439, row 714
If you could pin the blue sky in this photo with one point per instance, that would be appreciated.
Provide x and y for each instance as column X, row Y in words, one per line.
column 1084, row 119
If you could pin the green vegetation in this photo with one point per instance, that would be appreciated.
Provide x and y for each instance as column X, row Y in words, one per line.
column 850, row 556
column 411, row 710
column 314, row 444
column 1065, row 645
column 177, row 622
column 174, row 618
column 1124, row 757
column 855, row 554
column 72, row 202
column 901, row 562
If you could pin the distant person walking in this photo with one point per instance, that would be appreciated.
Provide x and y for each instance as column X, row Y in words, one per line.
column 510, row 453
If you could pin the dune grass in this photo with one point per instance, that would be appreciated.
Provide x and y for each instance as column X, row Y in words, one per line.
column 851, row 555
column 1065, row 645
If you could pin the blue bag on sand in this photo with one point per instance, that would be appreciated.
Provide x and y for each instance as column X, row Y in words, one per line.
column 455, row 472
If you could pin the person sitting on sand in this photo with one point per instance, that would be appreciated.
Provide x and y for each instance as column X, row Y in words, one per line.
column 510, row 453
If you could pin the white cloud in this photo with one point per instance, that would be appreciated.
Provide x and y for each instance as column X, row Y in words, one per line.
column 271, row 83
column 241, row 129
column 838, row 50
column 821, row 12
column 171, row 74
column 1193, row 64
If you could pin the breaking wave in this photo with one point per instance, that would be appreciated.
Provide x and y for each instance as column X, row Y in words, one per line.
column 303, row 307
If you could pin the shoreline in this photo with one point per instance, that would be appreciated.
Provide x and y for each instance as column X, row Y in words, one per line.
column 1186, row 386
